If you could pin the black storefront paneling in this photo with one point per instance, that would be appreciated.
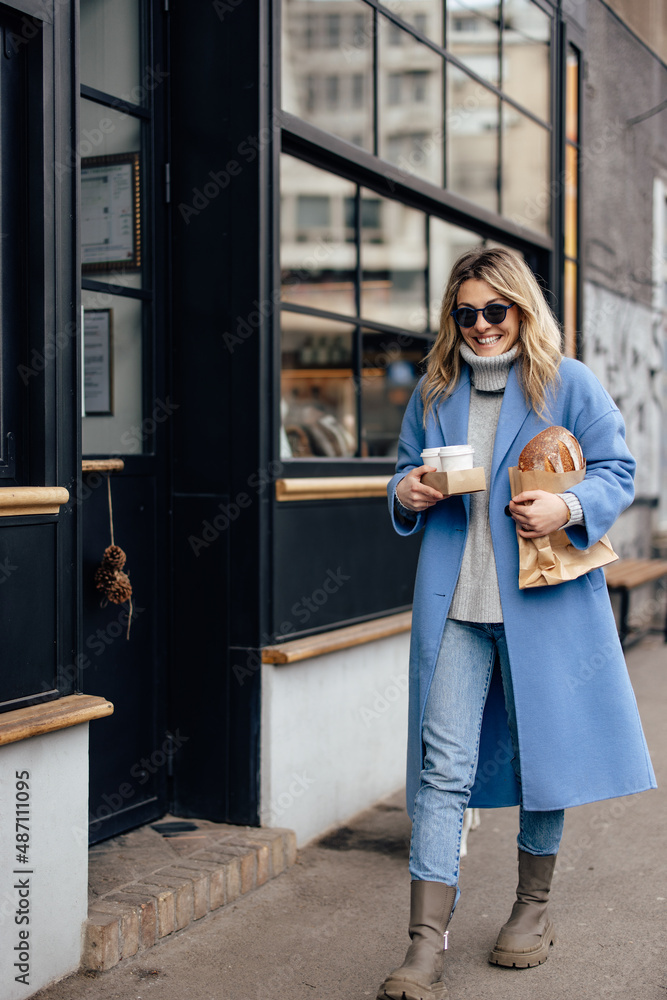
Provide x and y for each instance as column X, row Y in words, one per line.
column 129, row 777
column 28, row 568
column 338, row 561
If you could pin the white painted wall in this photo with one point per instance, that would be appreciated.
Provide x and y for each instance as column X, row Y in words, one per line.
column 58, row 855
column 334, row 735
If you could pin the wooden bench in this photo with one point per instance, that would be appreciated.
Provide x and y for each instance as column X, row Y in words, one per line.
column 624, row 576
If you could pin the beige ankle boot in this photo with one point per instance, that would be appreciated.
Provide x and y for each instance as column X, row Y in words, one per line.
column 525, row 939
column 420, row 976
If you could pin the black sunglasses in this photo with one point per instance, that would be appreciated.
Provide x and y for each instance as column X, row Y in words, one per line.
column 494, row 313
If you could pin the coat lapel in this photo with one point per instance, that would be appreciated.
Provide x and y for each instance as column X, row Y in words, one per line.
column 513, row 414
column 453, row 412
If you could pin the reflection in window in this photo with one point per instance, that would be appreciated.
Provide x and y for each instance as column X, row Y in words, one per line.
column 472, row 140
column 391, row 368
column 526, row 197
column 110, row 49
column 393, row 262
column 118, row 373
column 327, row 66
column 318, row 261
column 446, row 243
column 526, row 34
column 318, row 397
column 472, row 36
column 411, row 114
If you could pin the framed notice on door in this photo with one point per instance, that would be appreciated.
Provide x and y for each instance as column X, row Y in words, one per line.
column 110, row 213
column 97, row 362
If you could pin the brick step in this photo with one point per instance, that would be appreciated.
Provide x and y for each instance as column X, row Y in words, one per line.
column 135, row 916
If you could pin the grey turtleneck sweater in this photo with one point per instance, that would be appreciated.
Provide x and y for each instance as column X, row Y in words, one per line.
column 476, row 597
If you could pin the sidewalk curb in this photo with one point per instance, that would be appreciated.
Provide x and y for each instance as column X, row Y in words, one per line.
column 135, row 917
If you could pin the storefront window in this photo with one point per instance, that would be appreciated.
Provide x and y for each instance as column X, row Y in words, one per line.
column 446, row 243
column 110, row 48
column 318, row 393
column 327, row 66
column 393, row 263
column 571, row 203
column 472, row 139
column 526, row 198
column 318, row 252
column 526, row 56
column 115, row 223
column 411, row 113
column 392, row 364
column 473, row 36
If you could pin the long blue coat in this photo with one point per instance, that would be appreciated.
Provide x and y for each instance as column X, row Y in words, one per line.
column 580, row 737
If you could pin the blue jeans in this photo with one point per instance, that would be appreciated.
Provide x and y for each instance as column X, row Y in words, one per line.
column 450, row 733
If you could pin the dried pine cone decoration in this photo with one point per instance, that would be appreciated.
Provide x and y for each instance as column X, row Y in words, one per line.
column 120, row 590
column 114, row 557
column 105, row 576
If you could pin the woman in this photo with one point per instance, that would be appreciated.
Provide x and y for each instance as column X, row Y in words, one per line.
column 555, row 724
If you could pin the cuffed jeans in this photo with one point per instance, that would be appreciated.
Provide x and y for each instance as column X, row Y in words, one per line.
column 450, row 734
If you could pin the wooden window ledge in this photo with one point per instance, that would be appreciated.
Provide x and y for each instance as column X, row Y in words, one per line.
column 331, row 487
column 340, row 638
column 102, row 465
column 51, row 716
column 16, row 500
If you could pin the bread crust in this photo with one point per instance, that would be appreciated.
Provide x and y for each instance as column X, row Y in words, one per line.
column 552, row 450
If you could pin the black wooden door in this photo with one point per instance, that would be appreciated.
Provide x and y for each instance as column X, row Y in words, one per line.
column 124, row 72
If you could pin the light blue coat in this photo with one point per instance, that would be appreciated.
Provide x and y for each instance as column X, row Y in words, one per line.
column 580, row 737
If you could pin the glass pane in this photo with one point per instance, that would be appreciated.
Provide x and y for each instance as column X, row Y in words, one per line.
column 447, row 243
column 393, row 262
column 572, row 95
column 571, row 201
column 391, row 368
column 111, row 219
column 318, row 403
column 472, row 139
column 570, row 309
column 526, row 198
column 411, row 116
column 110, row 50
column 318, row 254
column 424, row 15
column 327, row 66
column 113, row 423
column 473, row 36
column 526, row 34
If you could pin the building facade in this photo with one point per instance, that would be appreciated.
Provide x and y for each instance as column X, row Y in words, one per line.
column 235, row 221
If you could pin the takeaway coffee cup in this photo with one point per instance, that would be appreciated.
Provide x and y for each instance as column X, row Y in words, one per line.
column 455, row 457
column 431, row 456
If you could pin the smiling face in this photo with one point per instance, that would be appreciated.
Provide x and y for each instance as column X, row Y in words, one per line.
column 487, row 339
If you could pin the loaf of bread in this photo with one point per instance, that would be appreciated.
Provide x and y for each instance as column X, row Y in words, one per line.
column 552, row 450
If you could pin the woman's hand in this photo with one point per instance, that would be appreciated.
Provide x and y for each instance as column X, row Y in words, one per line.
column 538, row 513
column 414, row 494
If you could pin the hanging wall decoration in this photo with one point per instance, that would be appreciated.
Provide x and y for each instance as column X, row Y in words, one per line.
column 109, row 576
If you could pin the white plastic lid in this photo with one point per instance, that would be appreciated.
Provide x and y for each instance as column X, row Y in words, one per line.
column 431, row 452
column 457, row 449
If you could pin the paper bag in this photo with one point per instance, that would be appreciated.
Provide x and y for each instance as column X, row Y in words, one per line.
column 553, row 558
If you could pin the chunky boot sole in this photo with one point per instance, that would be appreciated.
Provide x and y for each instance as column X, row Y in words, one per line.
column 402, row 989
column 525, row 959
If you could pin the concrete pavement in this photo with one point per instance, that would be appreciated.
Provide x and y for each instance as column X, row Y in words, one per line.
column 333, row 924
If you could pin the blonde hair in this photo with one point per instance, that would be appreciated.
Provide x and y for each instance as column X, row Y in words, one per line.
column 539, row 334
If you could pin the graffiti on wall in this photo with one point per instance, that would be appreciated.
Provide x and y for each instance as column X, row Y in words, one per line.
column 621, row 343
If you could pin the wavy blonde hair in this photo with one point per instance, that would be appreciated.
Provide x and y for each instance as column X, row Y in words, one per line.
column 539, row 334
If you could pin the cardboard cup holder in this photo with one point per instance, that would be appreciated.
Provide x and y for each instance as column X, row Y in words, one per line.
column 456, row 482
